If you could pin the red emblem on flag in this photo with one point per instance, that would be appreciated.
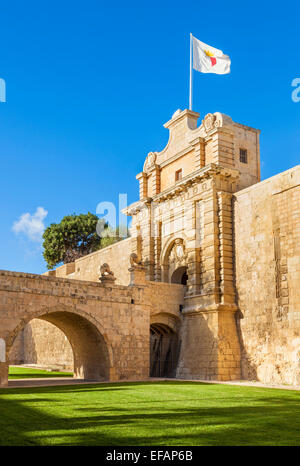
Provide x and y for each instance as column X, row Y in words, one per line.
column 211, row 56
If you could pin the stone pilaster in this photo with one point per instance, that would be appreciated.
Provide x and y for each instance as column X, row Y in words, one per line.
column 193, row 257
column 155, row 180
column 226, row 248
column 199, row 150
column 137, row 244
column 143, row 180
column 157, row 252
column 222, row 147
column 148, row 242
column 210, row 290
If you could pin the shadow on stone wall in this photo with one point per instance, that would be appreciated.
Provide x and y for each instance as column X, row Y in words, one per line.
column 16, row 354
column 248, row 370
column 44, row 344
column 30, row 353
column 23, row 350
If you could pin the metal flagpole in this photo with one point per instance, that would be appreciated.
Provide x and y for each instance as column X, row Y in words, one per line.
column 191, row 70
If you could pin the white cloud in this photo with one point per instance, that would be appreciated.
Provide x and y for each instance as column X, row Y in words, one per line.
column 31, row 226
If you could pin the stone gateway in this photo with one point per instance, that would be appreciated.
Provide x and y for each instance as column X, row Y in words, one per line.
column 206, row 287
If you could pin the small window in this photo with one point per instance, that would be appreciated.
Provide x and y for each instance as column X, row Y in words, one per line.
column 243, row 156
column 178, row 175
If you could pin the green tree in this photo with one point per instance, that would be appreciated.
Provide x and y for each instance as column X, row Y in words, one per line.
column 75, row 236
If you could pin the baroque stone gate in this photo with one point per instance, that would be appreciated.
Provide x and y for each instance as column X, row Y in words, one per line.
column 218, row 294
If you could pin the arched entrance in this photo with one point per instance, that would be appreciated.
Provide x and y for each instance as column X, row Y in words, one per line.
column 180, row 276
column 43, row 345
column 90, row 352
column 164, row 350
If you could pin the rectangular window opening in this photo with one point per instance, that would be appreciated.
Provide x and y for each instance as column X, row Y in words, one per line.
column 243, row 156
column 178, row 175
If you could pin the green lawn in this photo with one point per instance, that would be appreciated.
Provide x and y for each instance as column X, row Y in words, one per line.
column 25, row 373
column 157, row 413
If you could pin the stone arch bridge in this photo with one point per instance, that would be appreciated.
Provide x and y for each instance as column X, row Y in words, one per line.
column 107, row 325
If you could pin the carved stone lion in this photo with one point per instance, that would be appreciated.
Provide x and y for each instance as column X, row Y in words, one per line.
column 135, row 261
column 106, row 273
column 105, row 270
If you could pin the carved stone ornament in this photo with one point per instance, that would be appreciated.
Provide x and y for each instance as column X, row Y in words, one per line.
column 210, row 122
column 150, row 161
column 135, row 261
column 177, row 253
column 106, row 273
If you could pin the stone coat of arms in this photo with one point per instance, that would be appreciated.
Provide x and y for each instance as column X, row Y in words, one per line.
column 178, row 254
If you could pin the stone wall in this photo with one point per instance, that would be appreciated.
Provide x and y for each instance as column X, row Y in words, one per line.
column 45, row 344
column 42, row 343
column 16, row 354
column 267, row 269
column 186, row 163
column 107, row 325
column 87, row 267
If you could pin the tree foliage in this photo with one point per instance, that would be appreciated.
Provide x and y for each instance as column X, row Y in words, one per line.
column 75, row 236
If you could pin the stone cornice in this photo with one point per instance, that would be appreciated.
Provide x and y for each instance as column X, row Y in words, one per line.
column 248, row 128
column 137, row 206
column 182, row 185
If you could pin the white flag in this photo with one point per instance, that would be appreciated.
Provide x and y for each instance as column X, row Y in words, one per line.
column 207, row 59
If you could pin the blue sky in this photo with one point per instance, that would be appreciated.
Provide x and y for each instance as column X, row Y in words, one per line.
column 89, row 87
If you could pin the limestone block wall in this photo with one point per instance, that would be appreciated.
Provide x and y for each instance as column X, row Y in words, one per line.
column 16, row 354
column 186, row 163
column 87, row 267
column 107, row 325
column 267, row 271
column 166, row 299
column 44, row 344
column 247, row 138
